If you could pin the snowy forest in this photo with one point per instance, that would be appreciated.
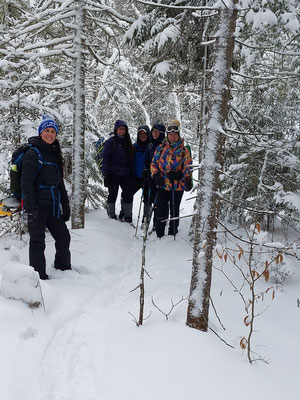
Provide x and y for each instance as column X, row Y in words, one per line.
column 229, row 71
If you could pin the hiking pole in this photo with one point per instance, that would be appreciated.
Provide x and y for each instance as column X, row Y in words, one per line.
column 173, row 206
column 137, row 224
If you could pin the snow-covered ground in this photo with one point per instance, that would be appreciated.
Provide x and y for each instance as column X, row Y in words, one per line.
column 85, row 345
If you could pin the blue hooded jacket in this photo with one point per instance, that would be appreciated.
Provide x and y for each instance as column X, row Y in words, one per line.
column 150, row 150
column 139, row 154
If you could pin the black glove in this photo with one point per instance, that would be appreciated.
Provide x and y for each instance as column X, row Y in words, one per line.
column 108, row 180
column 188, row 184
column 66, row 211
column 159, row 180
column 146, row 175
column 175, row 175
column 33, row 215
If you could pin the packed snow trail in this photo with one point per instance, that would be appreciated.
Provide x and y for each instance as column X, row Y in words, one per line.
column 77, row 370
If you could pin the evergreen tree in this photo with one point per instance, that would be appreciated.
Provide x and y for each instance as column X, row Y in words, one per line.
column 262, row 160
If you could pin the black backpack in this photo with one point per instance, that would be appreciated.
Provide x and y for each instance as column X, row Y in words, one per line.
column 99, row 145
column 16, row 167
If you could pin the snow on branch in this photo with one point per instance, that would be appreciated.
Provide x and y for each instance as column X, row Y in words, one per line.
column 277, row 75
column 110, row 10
column 44, row 23
column 268, row 49
column 150, row 3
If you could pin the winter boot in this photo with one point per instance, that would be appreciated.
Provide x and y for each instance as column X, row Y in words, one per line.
column 121, row 215
column 111, row 212
column 127, row 212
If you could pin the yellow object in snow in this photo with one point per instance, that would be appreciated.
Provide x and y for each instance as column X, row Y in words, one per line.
column 14, row 168
column 4, row 213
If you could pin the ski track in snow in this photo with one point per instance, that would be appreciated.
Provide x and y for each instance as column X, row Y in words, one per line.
column 68, row 368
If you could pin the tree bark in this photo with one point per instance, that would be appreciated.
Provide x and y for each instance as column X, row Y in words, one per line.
column 78, row 186
column 206, row 201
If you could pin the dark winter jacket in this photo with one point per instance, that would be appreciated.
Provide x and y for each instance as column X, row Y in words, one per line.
column 45, row 185
column 116, row 159
column 139, row 151
column 150, row 150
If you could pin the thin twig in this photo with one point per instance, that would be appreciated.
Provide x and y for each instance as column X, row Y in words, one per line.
column 42, row 297
column 172, row 306
column 132, row 290
column 213, row 306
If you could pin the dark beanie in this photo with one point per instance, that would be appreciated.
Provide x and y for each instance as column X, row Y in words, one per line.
column 119, row 123
column 160, row 127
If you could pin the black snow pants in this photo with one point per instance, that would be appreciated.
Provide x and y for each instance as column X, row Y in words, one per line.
column 58, row 229
column 163, row 198
column 127, row 183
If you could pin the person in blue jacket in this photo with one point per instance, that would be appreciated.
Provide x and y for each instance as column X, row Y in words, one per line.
column 157, row 137
column 143, row 139
column 118, row 171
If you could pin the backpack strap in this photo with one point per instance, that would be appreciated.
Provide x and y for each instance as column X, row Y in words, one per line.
column 41, row 162
column 40, row 157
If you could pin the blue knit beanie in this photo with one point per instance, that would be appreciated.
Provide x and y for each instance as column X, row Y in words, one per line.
column 47, row 122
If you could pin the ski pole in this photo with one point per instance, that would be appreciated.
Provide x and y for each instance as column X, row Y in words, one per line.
column 173, row 206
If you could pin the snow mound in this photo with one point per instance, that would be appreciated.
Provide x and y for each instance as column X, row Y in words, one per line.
column 21, row 282
column 14, row 254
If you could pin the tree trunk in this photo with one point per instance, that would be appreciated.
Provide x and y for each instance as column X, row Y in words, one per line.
column 78, row 188
column 206, row 202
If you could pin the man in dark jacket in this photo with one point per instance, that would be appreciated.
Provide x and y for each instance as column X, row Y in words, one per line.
column 44, row 193
column 157, row 136
column 118, row 170
column 143, row 139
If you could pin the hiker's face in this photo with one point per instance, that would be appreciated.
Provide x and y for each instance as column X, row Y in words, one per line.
column 121, row 130
column 48, row 135
column 173, row 137
column 143, row 136
column 155, row 134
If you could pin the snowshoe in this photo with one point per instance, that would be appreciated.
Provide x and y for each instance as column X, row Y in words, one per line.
column 9, row 206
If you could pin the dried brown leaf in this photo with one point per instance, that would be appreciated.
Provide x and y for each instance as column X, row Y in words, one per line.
column 241, row 250
column 243, row 343
column 266, row 274
column 220, row 255
column 254, row 274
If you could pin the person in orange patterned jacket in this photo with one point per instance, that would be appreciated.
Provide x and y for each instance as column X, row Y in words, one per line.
column 170, row 170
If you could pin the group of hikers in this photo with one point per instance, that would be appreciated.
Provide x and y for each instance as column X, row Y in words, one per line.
column 158, row 163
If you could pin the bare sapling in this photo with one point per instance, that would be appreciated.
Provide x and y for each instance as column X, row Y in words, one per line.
column 247, row 258
column 141, row 285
